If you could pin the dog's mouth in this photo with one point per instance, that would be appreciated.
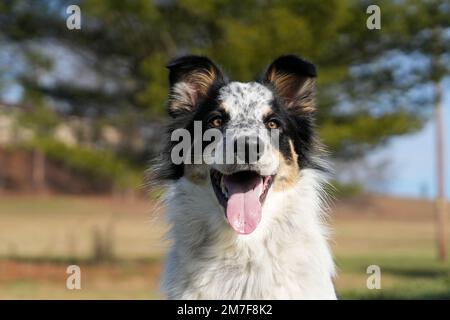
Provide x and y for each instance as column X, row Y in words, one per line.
column 242, row 194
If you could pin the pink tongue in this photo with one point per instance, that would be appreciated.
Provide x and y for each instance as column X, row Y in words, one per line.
column 244, row 207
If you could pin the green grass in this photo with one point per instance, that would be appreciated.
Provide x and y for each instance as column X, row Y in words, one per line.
column 41, row 236
column 402, row 277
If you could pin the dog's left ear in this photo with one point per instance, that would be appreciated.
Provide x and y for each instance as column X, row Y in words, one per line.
column 293, row 80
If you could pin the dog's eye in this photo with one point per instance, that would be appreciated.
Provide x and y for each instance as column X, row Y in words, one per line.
column 273, row 124
column 215, row 122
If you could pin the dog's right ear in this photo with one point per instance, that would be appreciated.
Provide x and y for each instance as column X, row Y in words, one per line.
column 190, row 78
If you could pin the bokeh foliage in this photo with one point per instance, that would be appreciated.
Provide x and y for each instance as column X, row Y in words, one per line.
column 367, row 78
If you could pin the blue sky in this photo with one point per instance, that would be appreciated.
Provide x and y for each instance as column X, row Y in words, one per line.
column 412, row 170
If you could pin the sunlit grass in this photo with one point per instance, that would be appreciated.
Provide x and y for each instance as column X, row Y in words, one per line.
column 402, row 277
column 41, row 236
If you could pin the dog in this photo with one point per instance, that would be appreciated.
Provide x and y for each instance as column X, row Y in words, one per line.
column 247, row 230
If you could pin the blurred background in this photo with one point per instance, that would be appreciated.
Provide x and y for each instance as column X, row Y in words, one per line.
column 82, row 113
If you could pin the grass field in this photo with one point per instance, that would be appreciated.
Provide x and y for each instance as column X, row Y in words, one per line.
column 41, row 236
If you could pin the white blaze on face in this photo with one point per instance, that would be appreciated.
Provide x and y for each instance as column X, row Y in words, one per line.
column 246, row 105
column 245, row 102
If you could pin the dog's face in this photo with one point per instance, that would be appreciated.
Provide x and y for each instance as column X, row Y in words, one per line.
column 263, row 132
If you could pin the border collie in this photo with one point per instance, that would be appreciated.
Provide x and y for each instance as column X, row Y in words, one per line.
column 247, row 230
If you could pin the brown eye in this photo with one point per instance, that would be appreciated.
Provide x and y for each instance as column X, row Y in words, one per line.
column 273, row 124
column 215, row 122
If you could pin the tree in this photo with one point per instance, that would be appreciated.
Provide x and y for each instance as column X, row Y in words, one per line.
column 427, row 37
column 367, row 78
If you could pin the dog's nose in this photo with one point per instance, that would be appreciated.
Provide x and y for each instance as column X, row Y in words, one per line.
column 248, row 149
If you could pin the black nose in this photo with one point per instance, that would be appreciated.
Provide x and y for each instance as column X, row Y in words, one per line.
column 248, row 149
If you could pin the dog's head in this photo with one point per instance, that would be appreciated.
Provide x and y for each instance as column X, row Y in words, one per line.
column 246, row 141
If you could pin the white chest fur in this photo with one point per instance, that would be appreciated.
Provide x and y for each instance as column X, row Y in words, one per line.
column 286, row 257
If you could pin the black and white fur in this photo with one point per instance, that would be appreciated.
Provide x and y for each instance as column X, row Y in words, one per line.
column 287, row 256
